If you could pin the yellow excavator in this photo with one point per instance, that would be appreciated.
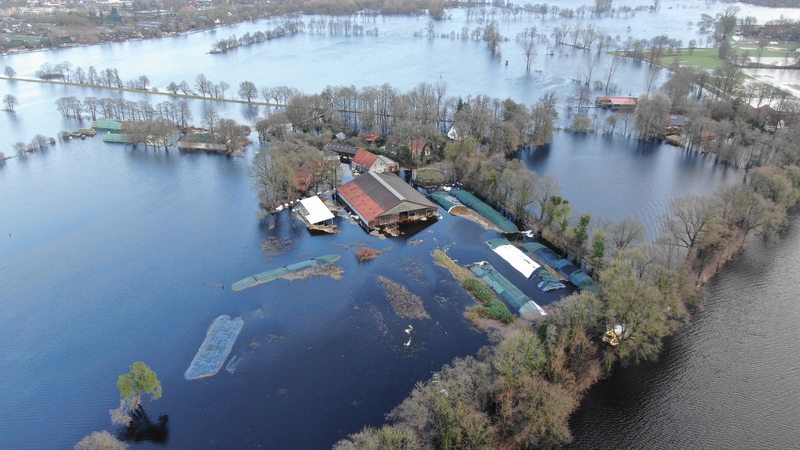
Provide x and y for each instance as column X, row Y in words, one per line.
column 615, row 334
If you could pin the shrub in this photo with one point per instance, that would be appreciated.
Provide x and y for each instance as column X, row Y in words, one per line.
column 496, row 310
column 367, row 254
column 479, row 290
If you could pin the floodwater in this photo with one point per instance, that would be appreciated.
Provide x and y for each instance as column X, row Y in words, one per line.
column 111, row 255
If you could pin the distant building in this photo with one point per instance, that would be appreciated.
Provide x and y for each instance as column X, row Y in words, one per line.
column 365, row 161
column 616, row 103
column 345, row 152
column 385, row 200
column 452, row 134
column 420, row 148
column 675, row 125
column 108, row 125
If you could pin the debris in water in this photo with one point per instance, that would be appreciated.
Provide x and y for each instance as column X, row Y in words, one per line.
column 232, row 364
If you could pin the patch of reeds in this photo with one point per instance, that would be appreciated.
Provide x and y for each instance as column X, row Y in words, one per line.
column 404, row 303
column 275, row 245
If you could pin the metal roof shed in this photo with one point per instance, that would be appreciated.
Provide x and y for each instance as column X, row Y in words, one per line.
column 315, row 210
column 108, row 125
column 514, row 256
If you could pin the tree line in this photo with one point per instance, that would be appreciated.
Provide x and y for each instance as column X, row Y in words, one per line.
column 286, row 29
column 91, row 23
column 117, row 108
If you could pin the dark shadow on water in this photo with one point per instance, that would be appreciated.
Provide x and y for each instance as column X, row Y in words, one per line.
column 142, row 428
column 533, row 156
column 250, row 112
column 408, row 230
column 646, row 148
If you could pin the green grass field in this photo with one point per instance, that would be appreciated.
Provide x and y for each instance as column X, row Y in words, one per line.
column 19, row 37
column 708, row 58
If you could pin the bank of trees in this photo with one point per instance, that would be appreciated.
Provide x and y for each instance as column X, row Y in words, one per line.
column 21, row 149
column 285, row 29
column 175, row 111
column 482, row 127
column 288, row 168
column 498, row 126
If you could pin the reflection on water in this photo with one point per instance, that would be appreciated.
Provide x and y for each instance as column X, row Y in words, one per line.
column 614, row 177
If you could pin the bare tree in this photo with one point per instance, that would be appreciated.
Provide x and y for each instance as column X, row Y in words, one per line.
column 220, row 88
column 492, row 37
column 9, row 102
column 247, row 90
column 546, row 187
column 203, row 85
column 183, row 86
column 266, row 94
column 529, row 49
column 39, row 142
column 652, row 76
column 626, row 233
column 690, row 223
column 210, row 119
column 652, row 114
column 21, row 149
column 591, row 62
column 611, row 73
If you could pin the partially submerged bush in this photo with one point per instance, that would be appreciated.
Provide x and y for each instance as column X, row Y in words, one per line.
column 367, row 254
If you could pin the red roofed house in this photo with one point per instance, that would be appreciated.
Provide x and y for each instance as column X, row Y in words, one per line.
column 617, row 103
column 365, row 160
column 302, row 179
column 381, row 199
column 420, row 148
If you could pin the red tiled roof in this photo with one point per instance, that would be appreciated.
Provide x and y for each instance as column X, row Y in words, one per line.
column 365, row 158
column 372, row 194
column 360, row 201
column 619, row 100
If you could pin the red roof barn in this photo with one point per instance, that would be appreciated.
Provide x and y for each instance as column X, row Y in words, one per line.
column 380, row 199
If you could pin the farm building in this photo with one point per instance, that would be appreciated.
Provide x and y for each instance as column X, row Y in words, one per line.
column 108, row 125
column 384, row 200
column 345, row 152
column 617, row 103
column 365, row 160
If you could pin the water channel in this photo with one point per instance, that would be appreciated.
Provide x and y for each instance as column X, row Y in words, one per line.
column 115, row 255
